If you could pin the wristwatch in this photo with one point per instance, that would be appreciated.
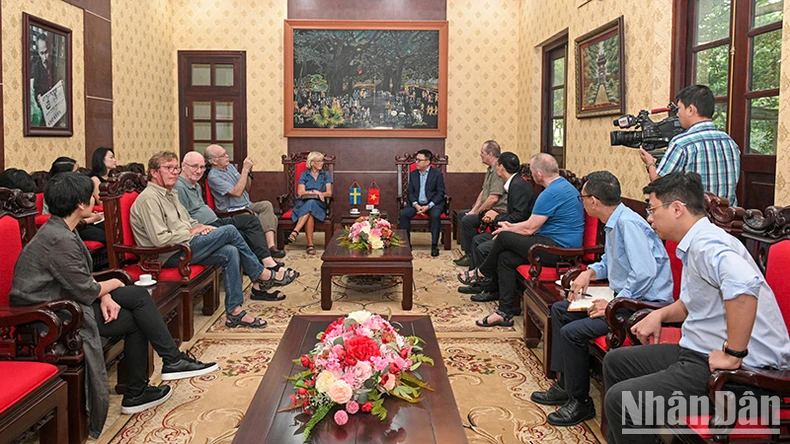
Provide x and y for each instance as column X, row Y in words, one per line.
column 647, row 167
column 734, row 353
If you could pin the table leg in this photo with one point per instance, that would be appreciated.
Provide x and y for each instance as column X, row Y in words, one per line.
column 408, row 281
column 326, row 288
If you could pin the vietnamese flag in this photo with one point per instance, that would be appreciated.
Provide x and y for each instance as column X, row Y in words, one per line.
column 374, row 194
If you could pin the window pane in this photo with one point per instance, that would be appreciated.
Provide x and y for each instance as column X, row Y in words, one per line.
column 558, row 72
column 201, row 74
column 766, row 56
column 763, row 120
column 711, row 68
column 201, row 110
column 224, row 130
column 223, row 75
column 720, row 116
column 202, row 130
column 713, row 20
column 767, row 12
column 224, row 110
column 558, row 102
column 558, row 130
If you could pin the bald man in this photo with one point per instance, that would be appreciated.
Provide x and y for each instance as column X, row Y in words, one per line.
column 191, row 196
column 230, row 190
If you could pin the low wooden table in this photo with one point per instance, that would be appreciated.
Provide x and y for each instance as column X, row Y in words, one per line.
column 435, row 419
column 338, row 260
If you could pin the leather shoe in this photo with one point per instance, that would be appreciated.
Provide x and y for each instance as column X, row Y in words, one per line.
column 434, row 251
column 277, row 253
column 572, row 412
column 463, row 261
column 485, row 296
column 555, row 395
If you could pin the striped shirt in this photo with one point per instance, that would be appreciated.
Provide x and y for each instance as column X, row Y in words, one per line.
column 705, row 150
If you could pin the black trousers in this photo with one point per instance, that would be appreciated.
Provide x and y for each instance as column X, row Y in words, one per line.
column 251, row 230
column 434, row 214
column 508, row 252
column 467, row 229
column 139, row 323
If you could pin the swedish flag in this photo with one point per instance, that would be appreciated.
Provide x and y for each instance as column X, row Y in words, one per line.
column 354, row 195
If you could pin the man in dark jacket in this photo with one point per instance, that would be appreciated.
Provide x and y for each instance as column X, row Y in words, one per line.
column 520, row 199
column 426, row 197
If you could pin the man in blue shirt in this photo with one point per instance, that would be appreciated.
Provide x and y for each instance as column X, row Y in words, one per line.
column 702, row 148
column 426, row 197
column 637, row 266
column 729, row 313
column 557, row 220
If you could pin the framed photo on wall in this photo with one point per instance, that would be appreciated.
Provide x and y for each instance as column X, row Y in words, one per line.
column 365, row 78
column 600, row 71
column 46, row 78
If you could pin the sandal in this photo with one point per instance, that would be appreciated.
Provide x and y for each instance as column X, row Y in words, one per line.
column 292, row 236
column 262, row 295
column 507, row 321
column 311, row 250
column 234, row 321
column 472, row 277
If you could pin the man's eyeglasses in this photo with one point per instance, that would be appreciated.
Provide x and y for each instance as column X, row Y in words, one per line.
column 654, row 208
column 170, row 169
column 582, row 196
column 199, row 166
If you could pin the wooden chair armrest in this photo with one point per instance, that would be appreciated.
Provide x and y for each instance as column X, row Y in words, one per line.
column 106, row 275
column 233, row 213
column 576, row 255
column 639, row 315
column 29, row 333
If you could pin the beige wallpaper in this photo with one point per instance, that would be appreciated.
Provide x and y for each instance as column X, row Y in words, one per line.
column 647, row 64
column 255, row 27
column 482, row 79
column 37, row 153
column 144, row 92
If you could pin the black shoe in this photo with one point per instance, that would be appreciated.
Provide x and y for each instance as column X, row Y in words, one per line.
column 151, row 397
column 186, row 367
column 279, row 254
column 463, row 261
column 555, row 395
column 434, row 251
column 572, row 412
column 485, row 296
column 472, row 289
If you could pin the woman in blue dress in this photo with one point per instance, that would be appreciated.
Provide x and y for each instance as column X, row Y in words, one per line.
column 315, row 185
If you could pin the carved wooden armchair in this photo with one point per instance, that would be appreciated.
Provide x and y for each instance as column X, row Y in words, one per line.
column 118, row 195
column 293, row 167
column 405, row 164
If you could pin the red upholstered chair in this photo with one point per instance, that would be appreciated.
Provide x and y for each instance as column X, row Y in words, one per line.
column 118, row 195
column 405, row 164
column 293, row 167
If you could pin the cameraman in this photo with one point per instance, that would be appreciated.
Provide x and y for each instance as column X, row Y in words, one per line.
column 702, row 148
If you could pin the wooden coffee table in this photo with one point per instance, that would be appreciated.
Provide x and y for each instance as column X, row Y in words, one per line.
column 435, row 419
column 339, row 260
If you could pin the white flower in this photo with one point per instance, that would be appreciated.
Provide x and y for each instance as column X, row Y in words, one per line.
column 324, row 381
column 360, row 316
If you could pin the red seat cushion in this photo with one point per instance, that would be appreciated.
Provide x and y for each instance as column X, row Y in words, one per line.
column 167, row 274
column 93, row 245
column 12, row 247
column 18, row 378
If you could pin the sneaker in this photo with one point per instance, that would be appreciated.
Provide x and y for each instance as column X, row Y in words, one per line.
column 151, row 397
column 463, row 261
column 555, row 395
column 187, row 367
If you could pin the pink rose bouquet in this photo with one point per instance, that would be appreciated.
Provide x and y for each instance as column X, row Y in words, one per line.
column 369, row 233
column 357, row 360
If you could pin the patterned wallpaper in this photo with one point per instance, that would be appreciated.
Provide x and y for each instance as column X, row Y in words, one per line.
column 647, row 64
column 782, row 194
column 257, row 28
column 482, row 79
column 144, row 93
column 37, row 153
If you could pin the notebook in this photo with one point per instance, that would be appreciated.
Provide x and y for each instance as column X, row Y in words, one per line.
column 586, row 302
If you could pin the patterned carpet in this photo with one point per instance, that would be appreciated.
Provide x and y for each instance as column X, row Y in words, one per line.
column 491, row 371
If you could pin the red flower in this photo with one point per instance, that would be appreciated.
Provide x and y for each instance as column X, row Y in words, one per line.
column 305, row 361
column 361, row 348
column 367, row 407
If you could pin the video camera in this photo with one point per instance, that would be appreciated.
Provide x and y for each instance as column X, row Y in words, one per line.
column 650, row 135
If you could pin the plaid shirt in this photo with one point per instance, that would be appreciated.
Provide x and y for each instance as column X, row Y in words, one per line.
column 707, row 151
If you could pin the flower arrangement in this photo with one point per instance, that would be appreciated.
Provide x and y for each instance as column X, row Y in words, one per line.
column 369, row 233
column 357, row 360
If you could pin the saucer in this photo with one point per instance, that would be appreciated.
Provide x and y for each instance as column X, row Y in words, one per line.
column 140, row 284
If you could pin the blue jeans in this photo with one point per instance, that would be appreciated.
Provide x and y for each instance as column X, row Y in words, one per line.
column 224, row 246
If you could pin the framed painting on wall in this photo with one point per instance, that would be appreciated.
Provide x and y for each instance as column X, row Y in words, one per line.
column 600, row 71
column 46, row 75
column 365, row 78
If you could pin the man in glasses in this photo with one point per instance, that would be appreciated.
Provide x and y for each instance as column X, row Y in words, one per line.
column 637, row 266
column 426, row 197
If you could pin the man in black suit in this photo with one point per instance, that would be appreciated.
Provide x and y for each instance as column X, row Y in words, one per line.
column 426, row 195
column 520, row 199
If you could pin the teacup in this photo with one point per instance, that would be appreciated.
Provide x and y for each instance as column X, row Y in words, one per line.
column 146, row 279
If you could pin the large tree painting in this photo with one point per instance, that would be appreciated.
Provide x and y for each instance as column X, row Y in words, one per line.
column 351, row 79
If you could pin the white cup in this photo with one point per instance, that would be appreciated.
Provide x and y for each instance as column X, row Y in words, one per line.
column 146, row 279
